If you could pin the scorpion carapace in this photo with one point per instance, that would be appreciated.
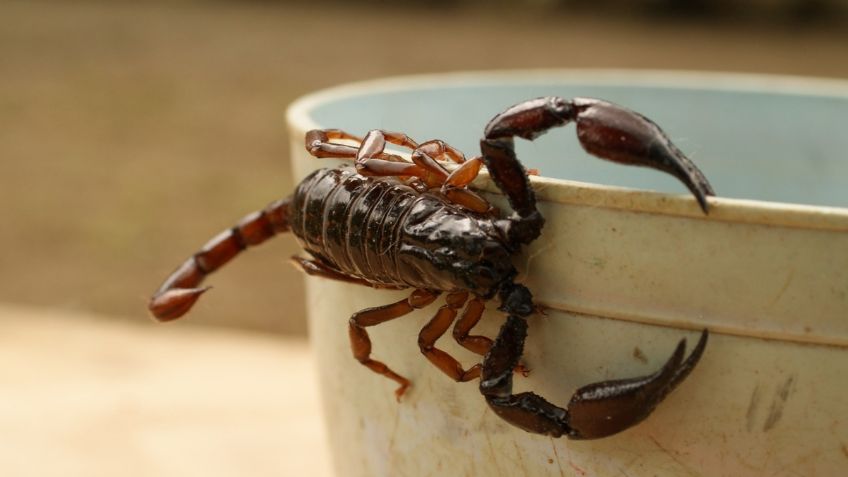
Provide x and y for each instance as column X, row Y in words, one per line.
column 388, row 222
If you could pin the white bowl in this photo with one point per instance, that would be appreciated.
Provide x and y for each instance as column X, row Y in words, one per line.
column 625, row 273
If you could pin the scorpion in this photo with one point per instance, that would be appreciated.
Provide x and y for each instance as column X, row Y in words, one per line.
column 395, row 223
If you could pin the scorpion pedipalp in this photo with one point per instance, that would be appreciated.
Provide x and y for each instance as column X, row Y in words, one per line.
column 605, row 130
column 596, row 410
column 609, row 132
column 608, row 407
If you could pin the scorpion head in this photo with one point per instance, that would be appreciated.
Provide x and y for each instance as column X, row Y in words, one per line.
column 450, row 248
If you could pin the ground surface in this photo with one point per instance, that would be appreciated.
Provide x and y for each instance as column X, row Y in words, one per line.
column 86, row 398
column 129, row 133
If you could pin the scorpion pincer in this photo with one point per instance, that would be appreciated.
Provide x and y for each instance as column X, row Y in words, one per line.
column 388, row 222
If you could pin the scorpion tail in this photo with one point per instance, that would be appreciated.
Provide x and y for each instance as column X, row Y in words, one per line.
column 181, row 289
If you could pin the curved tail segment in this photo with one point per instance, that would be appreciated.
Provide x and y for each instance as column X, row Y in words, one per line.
column 181, row 289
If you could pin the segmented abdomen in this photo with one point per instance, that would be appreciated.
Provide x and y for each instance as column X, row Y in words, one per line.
column 352, row 223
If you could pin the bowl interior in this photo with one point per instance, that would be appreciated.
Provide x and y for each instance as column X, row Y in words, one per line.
column 762, row 143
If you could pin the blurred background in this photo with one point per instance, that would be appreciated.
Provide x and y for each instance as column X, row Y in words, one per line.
column 130, row 132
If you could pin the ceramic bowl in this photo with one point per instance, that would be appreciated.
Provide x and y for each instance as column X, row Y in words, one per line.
column 627, row 265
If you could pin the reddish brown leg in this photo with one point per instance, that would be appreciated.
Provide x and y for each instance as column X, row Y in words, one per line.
column 318, row 143
column 374, row 143
column 399, row 139
column 440, row 151
column 434, row 330
column 318, row 268
column 427, row 156
column 469, row 319
column 369, row 160
column 360, row 343
column 181, row 289
column 424, row 156
column 436, row 173
column 372, row 160
column 475, row 343
column 435, row 148
column 455, row 185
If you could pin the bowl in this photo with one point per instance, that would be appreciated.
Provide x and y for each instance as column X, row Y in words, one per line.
column 626, row 266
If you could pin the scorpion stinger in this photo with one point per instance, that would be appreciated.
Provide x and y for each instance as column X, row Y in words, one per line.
column 181, row 289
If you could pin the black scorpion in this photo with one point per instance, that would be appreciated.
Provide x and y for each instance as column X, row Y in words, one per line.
column 388, row 222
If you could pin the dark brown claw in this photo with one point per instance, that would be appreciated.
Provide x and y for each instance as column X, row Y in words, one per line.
column 605, row 130
column 612, row 132
column 596, row 410
column 609, row 132
column 609, row 407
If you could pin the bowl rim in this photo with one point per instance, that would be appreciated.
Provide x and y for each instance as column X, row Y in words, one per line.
column 564, row 191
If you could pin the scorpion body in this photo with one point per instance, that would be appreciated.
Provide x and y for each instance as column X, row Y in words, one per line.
column 388, row 222
column 395, row 237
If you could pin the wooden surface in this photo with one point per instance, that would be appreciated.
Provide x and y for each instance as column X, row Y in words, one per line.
column 86, row 396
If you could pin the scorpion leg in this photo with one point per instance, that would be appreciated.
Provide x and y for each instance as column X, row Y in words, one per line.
column 605, row 130
column 181, row 289
column 455, row 186
column 371, row 155
column 434, row 330
column 318, row 143
column 596, row 410
column 475, row 343
column 372, row 160
column 369, row 161
column 426, row 157
column 440, row 150
column 469, row 319
column 435, row 148
column 318, row 268
column 360, row 343
column 397, row 138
